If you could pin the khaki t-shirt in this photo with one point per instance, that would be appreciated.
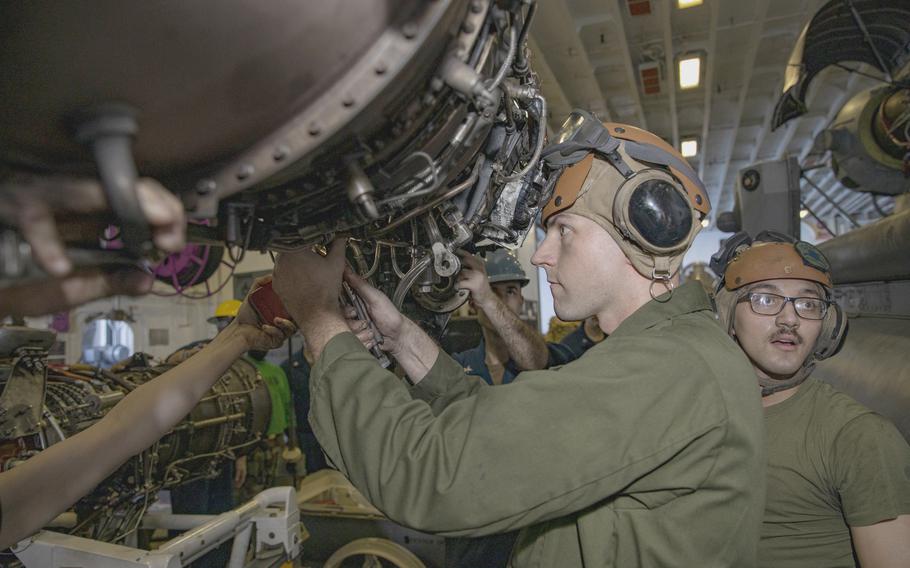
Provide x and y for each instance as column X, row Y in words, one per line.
column 832, row 464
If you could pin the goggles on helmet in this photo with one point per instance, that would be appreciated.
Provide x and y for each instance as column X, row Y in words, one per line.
column 654, row 206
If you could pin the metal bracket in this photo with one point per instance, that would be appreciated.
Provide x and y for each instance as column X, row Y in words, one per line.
column 108, row 131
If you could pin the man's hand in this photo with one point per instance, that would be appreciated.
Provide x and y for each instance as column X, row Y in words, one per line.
column 259, row 336
column 57, row 294
column 414, row 350
column 390, row 323
column 309, row 286
column 239, row 472
column 32, row 203
column 473, row 278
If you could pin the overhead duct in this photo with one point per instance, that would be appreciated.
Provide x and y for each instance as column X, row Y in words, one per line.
column 877, row 252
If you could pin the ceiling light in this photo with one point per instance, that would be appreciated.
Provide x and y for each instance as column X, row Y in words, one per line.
column 683, row 4
column 689, row 147
column 803, row 213
column 705, row 223
column 690, row 72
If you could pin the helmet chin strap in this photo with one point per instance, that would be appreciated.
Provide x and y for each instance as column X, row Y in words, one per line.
column 770, row 386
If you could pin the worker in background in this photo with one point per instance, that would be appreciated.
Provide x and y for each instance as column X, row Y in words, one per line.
column 646, row 451
column 210, row 496
column 33, row 493
column 838, row 474
column 297, row 369
column 508, row 344
column 264, row 463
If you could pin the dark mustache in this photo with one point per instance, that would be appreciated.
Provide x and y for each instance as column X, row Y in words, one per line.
column 791, row 333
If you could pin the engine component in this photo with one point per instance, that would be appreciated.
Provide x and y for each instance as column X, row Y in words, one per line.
column 874, row 32
column 60, row 401
column 876, row 252
column 869, row 141
column 307, row 120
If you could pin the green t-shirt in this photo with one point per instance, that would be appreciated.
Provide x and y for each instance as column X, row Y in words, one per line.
column 832, row 464
column 279, row 392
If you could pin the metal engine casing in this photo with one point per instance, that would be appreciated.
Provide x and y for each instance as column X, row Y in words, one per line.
column 286, row 123
column 860, row 159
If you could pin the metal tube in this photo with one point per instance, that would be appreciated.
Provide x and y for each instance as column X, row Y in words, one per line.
column 200, row 539
column 240, row 546
column 875, row 252
column 445, row 196
column 174, row 522
column 217, row 420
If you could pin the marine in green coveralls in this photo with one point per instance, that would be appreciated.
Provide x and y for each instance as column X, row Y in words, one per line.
column 646, row 451
column 838, row 474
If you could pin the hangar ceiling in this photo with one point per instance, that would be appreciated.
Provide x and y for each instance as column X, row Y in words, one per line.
column 590, row 54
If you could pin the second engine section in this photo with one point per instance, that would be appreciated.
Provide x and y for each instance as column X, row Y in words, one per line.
column 223, row 425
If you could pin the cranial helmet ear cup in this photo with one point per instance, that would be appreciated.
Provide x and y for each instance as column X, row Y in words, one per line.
column 652, row 210
column 835, row 328
column 728, row 250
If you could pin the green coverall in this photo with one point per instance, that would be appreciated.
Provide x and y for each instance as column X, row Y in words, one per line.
column 647, row 451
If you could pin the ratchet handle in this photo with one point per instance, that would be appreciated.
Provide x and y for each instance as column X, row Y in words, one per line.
column 363, row 314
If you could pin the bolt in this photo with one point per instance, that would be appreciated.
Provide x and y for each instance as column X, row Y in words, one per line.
column 280, row 153
column 409, row 30
column 206, row 187
column 315, row 129
column 381, row 68
column 245, row 172
column 467, row 27
column 476, row 6
column 348, row 101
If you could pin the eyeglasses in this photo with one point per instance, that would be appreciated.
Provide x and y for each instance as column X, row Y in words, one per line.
column 767, row 304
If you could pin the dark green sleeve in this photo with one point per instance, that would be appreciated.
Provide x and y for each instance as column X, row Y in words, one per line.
column 505, row 457
column 872, row 471
column 446, row 383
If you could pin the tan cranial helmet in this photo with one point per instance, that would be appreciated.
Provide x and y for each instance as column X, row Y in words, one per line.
column 634, row 185
column 741, row 262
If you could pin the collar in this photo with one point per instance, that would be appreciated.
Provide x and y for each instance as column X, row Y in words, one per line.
column 685, row 299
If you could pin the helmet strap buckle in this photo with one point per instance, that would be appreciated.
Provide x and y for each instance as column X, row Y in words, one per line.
column 660, row 274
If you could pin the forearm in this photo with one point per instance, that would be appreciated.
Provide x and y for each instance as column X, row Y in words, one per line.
column 162, row 402
column 527, row 348
column 417, row 352
column 39, row 489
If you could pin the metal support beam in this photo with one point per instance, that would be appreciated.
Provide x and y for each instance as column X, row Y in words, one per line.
column 567, row 57
column 758, row 19
column 669, row 58
column 709, row 88
column 631, row 74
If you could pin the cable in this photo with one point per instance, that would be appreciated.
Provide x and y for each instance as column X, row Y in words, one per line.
column 541, row 138
column 507, row 64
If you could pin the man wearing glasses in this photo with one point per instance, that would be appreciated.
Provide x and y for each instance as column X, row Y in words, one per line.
column 838, row 487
